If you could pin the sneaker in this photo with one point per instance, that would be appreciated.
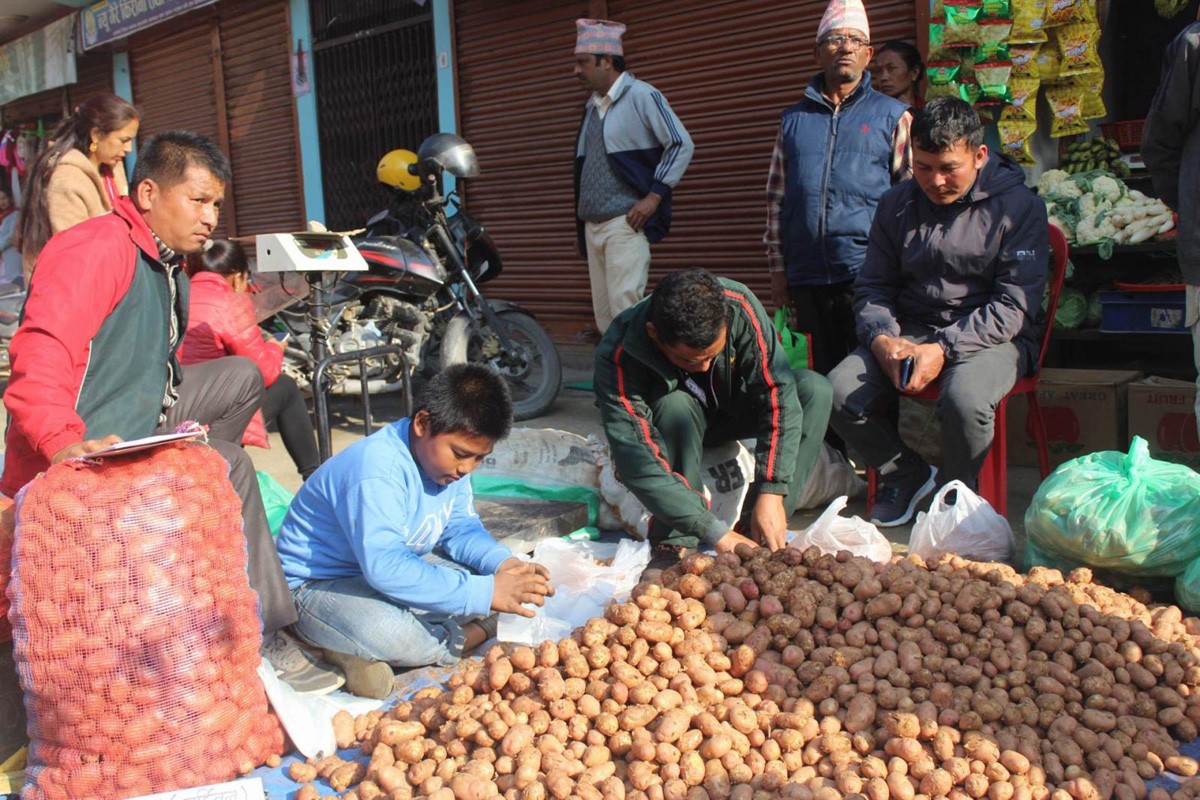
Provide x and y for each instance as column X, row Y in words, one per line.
column 364, row 678
column 662, row 556
column 299, row 668
column 897, row 496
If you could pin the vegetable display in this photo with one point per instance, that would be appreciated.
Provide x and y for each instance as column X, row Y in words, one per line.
column 1092, row 154
column 1096, row 208
column 136, row 632
column 756, row 675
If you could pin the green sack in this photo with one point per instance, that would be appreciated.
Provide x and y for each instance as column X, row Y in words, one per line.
column 276, row 500
column 794, row 344
column 1121, row 512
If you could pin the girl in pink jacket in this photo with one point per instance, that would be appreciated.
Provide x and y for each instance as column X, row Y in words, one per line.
column 221, row 322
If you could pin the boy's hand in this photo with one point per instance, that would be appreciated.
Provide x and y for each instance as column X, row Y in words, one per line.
column 518, row 582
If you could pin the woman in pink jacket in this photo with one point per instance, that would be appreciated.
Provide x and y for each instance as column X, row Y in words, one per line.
column 221, row 322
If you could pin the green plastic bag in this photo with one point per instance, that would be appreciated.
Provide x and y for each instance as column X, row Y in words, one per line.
column 276, row 500
column 1125, row 513
column 1187, row 588
column 794, row 344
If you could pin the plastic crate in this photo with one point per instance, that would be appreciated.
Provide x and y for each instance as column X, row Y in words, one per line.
column 1142, row 312
column 1127, row 134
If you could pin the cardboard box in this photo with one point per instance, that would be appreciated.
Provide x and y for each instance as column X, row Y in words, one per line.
column 1162, row 411
column 1084, row 411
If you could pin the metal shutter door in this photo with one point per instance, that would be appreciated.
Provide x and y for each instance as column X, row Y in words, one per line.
column 93, row 76
column 520, row 108
column 173, row 80
column 728, row 68
column 261, row 117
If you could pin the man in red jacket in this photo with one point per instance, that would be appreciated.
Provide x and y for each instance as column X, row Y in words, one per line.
column 94, row 360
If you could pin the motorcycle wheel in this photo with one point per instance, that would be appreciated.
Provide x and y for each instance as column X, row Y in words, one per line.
column 534, row 382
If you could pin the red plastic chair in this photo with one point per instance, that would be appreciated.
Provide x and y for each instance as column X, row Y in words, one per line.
column 993, row 474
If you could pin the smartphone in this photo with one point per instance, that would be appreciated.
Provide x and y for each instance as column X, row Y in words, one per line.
column 906, row 368
column 280, row 336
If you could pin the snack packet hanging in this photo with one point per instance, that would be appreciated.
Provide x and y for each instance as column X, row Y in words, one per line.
column 941, row 73
column 993, row 78
column 1049, row 62
column 939, row 9
column 1092, row 83
column 1066, row 109
column 1023, row 105
column 1077, row 45
column 995, row 9
column 1024, row 59
column 970, row 91
column 1064, row 12
column 1014, row 140
column 951, row 89
column 937, row 35
column 1029, row 21
column 962, row 23
column 994, row 31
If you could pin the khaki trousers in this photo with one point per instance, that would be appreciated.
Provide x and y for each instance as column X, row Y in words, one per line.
column 618, row 266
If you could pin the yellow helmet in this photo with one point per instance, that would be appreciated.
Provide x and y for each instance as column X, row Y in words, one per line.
column 398, row 169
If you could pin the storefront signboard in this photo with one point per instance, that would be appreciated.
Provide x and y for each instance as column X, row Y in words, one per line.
column 109, row 20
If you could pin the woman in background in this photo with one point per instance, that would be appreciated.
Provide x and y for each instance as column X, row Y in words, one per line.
column 79, row 174
column 221, row 322
column 10, row 256
column 897, row 71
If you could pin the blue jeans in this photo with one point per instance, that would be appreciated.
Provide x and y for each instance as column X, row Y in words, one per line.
column 348, row 616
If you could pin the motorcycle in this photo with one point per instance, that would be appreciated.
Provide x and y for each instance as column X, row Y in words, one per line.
column 421, row 292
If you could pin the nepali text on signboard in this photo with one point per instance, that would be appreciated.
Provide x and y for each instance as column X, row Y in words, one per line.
column 109, row 20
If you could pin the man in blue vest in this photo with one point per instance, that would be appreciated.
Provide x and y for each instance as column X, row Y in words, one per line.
column 838, row 150
column 630, row 153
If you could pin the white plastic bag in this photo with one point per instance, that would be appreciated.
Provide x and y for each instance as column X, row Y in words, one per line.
column 831, row 533
column 970, row 528
column 726, row 471
column 582, row 587
column 308, row 720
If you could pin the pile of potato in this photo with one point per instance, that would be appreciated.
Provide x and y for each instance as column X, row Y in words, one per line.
column 800, row 675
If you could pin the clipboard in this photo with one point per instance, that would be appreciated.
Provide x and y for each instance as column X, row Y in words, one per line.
column 146, row 443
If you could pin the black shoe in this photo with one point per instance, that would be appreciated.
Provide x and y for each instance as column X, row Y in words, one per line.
column 897, row 496
column 662, row 556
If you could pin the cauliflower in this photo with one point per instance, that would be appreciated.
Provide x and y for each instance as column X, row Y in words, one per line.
column 1094, row 227
column 1051, row 180
column 1108, row 188
column 1091, row 204
column 1068, row 230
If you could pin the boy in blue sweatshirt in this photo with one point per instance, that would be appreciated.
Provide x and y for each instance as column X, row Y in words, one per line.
column 353, row 541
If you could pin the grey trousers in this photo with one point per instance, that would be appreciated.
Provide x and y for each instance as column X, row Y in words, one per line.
column 223, row 394
column 866, row 407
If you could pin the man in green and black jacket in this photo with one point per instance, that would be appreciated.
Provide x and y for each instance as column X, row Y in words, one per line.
column 696, row 364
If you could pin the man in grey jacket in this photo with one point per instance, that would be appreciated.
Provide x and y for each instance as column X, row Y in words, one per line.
column 630, row 154
column 1171, row 149
column 951, row 290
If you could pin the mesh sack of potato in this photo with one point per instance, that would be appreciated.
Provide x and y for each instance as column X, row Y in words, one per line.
column 136, row 631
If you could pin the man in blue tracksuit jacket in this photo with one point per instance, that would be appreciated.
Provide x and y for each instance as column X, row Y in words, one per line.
column 838, row 150
column 630, row 154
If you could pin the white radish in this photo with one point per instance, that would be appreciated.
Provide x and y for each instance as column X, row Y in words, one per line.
column 1166, row 226
column 1141, row 234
